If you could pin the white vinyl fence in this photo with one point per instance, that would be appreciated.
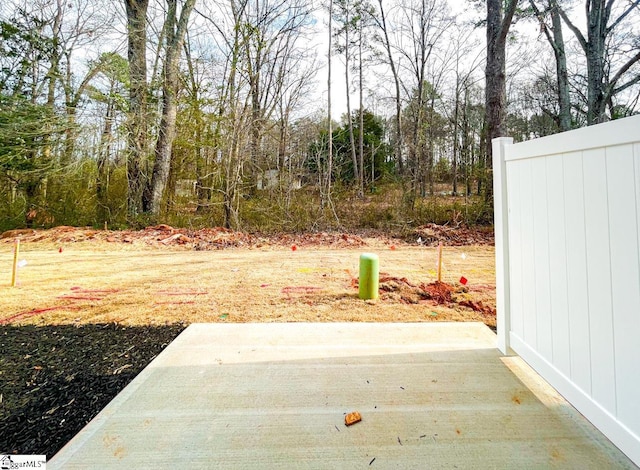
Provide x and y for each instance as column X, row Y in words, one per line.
column 567, row 220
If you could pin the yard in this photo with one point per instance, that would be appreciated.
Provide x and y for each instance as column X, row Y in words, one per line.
column 92, row 308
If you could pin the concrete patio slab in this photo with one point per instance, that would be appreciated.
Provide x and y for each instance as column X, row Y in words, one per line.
column 274, row 395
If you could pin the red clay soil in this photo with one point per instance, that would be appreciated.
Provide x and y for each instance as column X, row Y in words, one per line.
column 458, row 235
column 441, row 293
column 216, row 238
column 438, row 292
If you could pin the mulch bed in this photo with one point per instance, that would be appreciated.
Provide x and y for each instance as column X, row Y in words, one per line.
column 55, row 379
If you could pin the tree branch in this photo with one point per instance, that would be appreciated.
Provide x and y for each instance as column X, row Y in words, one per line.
column 623, row 15
column 545, row 28
column 624, row 68
column 507, row 19
column 624, row 86
column 573, row 28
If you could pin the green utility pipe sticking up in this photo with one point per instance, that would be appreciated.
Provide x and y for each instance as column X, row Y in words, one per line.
column 369, row 276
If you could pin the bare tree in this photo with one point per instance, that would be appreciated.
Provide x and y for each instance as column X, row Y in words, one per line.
column 466, row 56
column 363, row 14
column 381, row 23
column 77, row 28
column 325, row 196
column 361, row 30
column 175, row 34
column 236, row 118
column 264, row 73
column 498, row 25
column 195, row 86
column 137, row 123
column 55, row 34
column 273, row 58
column 114, row 69
column 602, row 82
column 421, row 24
column 554, row 36
column 346, row 19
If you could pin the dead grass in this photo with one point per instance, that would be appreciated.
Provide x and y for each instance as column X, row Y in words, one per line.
column 96, row 282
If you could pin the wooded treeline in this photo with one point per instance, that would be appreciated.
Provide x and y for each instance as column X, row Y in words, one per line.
column 196, row 113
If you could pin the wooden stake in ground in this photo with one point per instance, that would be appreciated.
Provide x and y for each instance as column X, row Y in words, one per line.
column 16, row 253
column 440, row 262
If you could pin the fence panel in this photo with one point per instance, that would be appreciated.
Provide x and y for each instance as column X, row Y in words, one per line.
column 568, row 267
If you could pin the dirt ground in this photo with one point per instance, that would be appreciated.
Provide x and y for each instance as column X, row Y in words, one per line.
column 89, row 313
column 96, row 282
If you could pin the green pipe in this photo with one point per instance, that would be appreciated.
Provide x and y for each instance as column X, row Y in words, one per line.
column 369, row 276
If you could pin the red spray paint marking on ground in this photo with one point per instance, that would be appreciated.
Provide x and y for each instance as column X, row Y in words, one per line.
column 75, row 290
column 300, row 289
column 177, row 302
column 94, row 291
column 78, row 297
column 33, row 313
column 182, row 293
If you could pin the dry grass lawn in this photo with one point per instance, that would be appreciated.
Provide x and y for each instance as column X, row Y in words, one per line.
column 133, row 285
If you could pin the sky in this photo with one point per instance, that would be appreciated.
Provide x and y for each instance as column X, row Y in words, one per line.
column 458, row 8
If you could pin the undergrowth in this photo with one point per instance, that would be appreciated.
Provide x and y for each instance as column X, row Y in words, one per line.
column 387, row 209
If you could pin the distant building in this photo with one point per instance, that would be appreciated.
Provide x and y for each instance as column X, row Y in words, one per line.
column 268, row 180
column 186, row 187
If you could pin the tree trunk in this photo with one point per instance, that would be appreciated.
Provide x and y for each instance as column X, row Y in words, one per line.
column 382, row 24
column 203, row 160
column 361, row 113
column 456, row 144
column 596, row 26
column 431, row 144
column 137, row 120
column 418, row 139
column 556, row 40
column 231, row 163
column 102, row 179
column 564, row 102
column 467, row 140
column 495, row 75
column 227, row 203
column 352, row 141
column 325, row 196
column 152, row 201
column 233, row 171
column 31, row 198
column 600, row 87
